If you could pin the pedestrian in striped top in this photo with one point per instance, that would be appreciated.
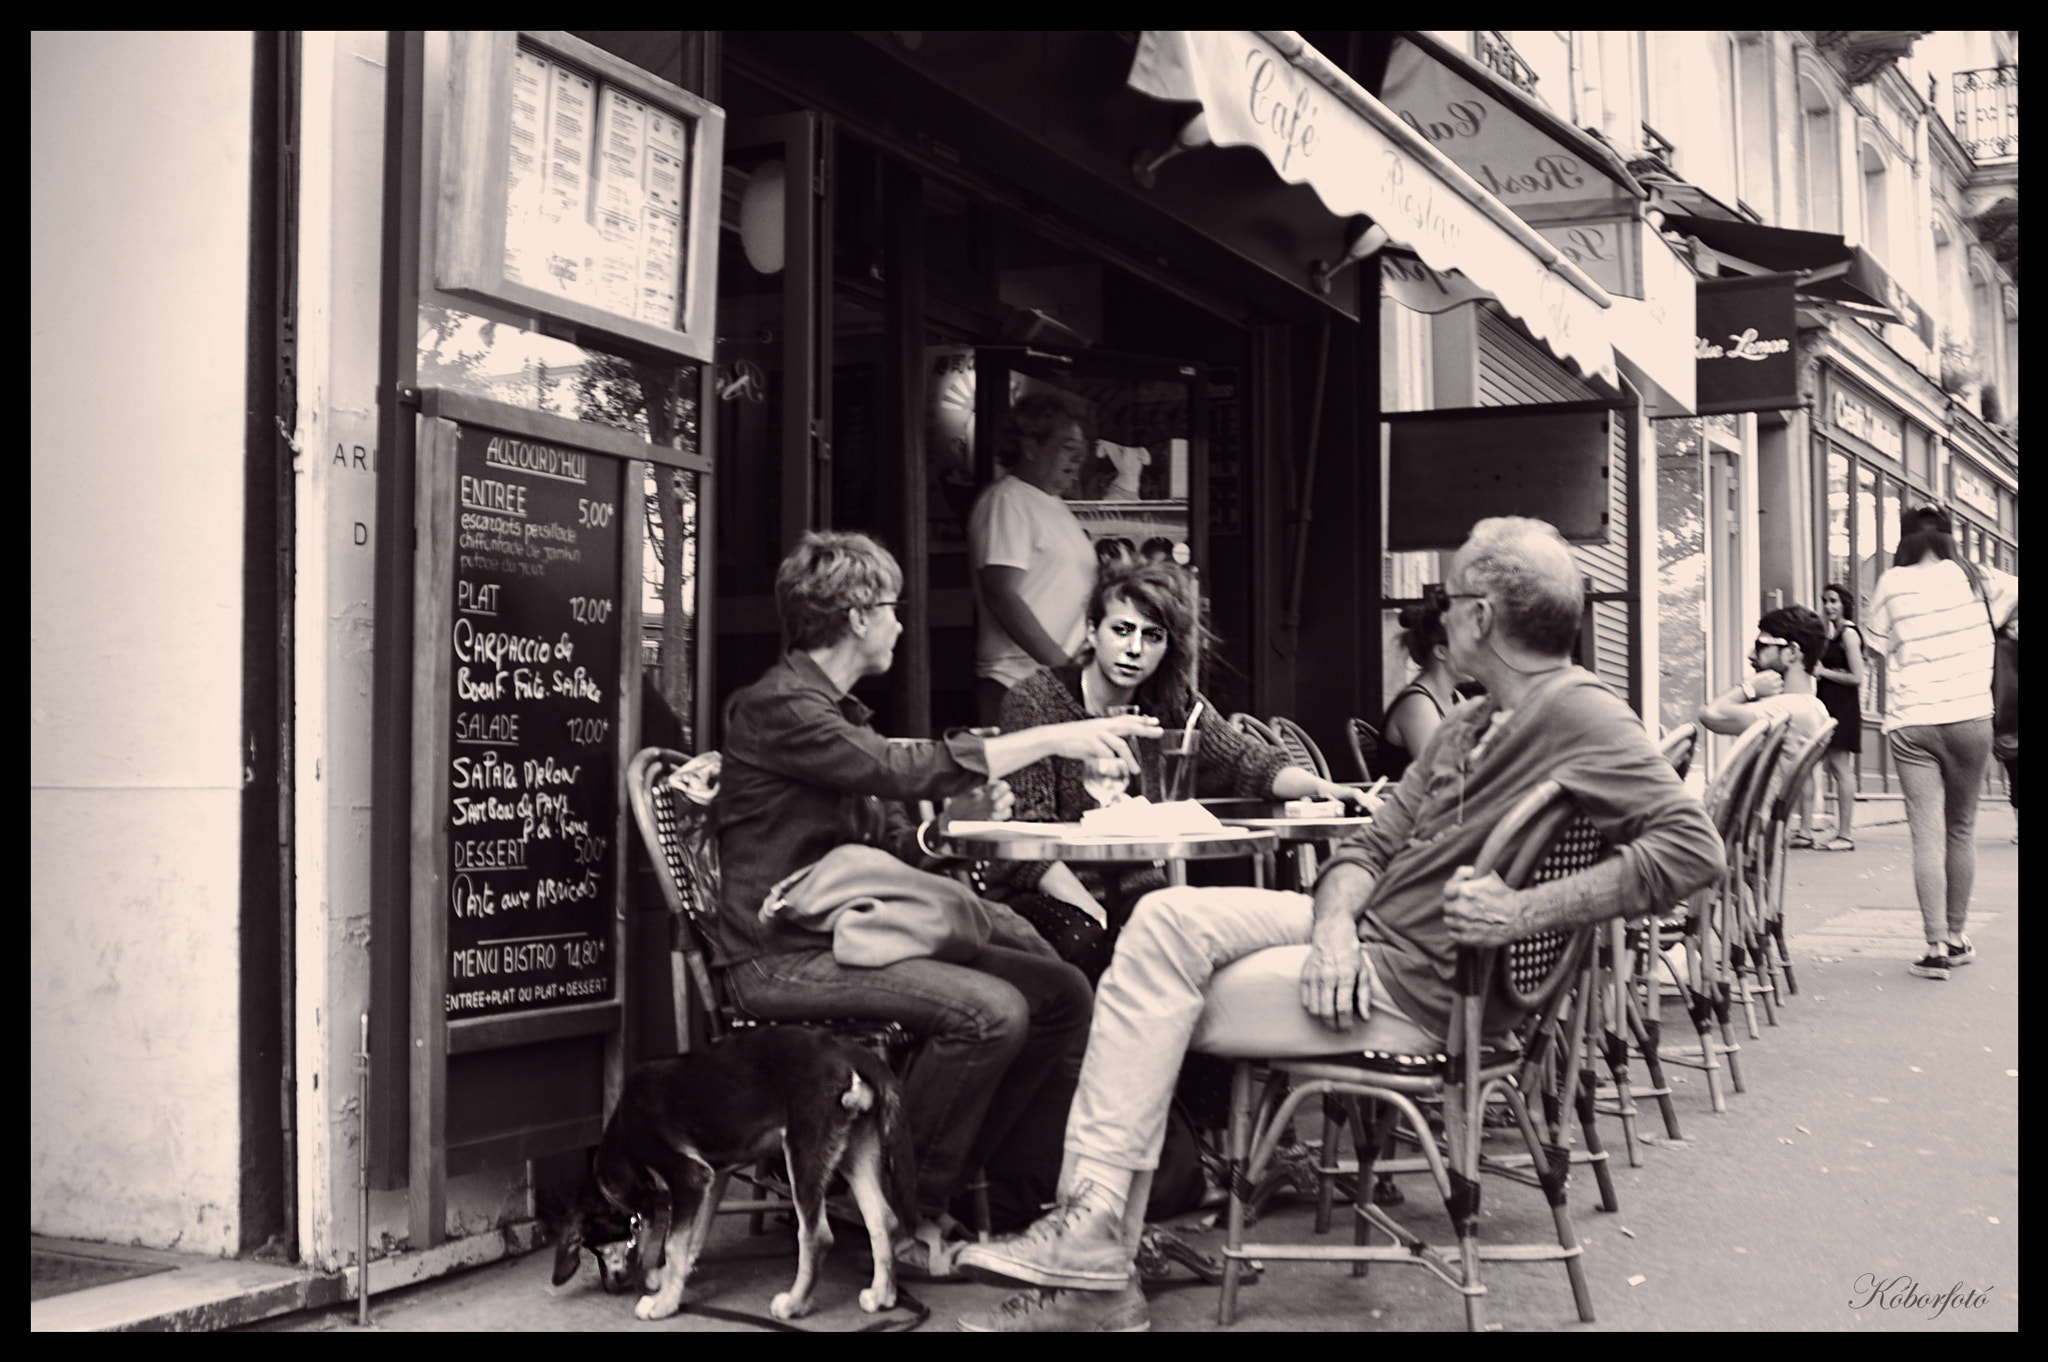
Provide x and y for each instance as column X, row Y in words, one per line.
column 1932, row 618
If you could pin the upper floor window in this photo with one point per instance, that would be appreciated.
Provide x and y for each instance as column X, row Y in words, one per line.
column 1817, row 147
column 1876, row 203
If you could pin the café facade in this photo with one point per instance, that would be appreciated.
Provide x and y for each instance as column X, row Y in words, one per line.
column 500, row 370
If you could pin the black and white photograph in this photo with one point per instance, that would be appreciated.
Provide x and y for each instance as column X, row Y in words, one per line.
column 1036, row 681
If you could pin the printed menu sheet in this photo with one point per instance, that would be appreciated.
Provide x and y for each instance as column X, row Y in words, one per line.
column 594, row 202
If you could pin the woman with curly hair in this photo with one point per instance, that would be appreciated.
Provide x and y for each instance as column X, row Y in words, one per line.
column 1144, row 636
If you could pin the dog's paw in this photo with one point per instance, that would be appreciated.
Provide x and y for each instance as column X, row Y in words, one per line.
column 654, row 1307
column 874, row 1301
column 787, row 1305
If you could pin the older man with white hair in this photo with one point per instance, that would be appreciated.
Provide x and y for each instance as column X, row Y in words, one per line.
column 1367, row 961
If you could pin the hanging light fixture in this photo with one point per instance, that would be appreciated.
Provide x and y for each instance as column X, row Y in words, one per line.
column 1193, row 133
column 1362, row 237
column 762, row 217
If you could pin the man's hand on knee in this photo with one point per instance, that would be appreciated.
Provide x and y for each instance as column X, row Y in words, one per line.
column 1335, row 989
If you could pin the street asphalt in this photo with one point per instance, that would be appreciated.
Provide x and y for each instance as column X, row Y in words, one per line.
column 1867, row 1179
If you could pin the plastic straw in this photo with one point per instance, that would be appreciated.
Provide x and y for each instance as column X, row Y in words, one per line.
column 1188, row 733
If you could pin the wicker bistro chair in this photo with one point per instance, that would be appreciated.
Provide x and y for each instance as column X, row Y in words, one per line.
column 1364, row 741
column 1769, row 953
column 1678, row 748
column 676, row 827
column 1538, row 978
column 1252, row 726
column 1299, row 747
column 1710, row 922
column 1746, row 945
column 672, row 795
column 1621, row 1018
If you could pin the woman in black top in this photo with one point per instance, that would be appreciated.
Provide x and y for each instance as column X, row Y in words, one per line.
column 1838, row 681
column 1419, row 706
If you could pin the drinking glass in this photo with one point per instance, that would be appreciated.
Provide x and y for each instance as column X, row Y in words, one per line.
column 1106, row 779
column 1178, row 751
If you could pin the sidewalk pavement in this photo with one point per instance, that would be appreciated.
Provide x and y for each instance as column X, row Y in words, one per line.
column 1876, row 1146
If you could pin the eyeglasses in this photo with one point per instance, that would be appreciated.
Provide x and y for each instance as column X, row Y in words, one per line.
column 895, row 605
column 1767, row 641
column 1438, row 599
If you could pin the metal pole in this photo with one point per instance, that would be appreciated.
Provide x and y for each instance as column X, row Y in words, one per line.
column 363, row 1178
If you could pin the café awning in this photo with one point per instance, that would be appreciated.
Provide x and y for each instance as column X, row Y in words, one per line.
column 1317, row 126
column 1828, row 266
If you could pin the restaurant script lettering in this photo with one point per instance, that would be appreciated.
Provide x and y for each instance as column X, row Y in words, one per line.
column 531, row 784
column 1744, row 344
column 1459, row 131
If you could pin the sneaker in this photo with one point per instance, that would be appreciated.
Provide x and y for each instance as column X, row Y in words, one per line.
column 1963, row 954
column 1929, row 967
column 1076, row 1244
column 1122, row 1311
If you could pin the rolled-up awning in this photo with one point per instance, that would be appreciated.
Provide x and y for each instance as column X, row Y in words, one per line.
column 1319, row 127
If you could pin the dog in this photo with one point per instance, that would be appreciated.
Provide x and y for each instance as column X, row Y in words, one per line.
column 683, row 1126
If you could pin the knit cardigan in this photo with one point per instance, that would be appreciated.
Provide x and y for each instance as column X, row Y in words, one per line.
column 1050, row 791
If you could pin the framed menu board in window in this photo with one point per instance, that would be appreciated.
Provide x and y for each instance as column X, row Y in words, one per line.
column 581, row 189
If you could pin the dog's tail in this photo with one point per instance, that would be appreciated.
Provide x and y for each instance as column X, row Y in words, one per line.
column 874, row 1088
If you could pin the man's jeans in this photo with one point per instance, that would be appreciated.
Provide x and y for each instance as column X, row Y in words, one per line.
column 1941, row 771
column 1001, row 1044
column 1168, row 987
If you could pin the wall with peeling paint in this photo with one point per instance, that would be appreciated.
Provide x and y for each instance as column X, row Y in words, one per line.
column 139, row 239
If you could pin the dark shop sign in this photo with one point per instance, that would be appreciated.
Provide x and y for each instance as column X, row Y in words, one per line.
column 1746, row 346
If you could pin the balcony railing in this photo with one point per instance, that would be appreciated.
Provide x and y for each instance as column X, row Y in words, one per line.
column 1499, row 55
column 1987, row 118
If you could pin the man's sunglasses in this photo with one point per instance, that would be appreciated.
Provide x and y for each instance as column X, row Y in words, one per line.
column 1438, row 599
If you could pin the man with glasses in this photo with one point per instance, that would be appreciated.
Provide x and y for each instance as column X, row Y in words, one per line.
column 1366, row 962
column 1787, row 649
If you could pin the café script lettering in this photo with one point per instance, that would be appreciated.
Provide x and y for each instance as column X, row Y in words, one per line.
column 1292, row 122
column 1745, row 346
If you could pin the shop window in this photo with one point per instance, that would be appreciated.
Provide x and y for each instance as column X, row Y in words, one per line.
column 1869, row 565
column 1841, row 549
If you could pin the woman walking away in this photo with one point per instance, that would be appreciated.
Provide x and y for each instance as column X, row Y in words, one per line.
column 1932, row 617
column 1838, row 680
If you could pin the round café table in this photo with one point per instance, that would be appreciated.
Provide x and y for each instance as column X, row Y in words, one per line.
column 1067, row 842
column 1159, row 1247
column 1303, row 835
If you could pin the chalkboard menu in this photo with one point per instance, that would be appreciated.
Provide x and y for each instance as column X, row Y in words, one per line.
column 533, row 664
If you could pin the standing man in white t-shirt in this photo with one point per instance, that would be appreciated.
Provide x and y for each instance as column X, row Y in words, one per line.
column 1034, row 566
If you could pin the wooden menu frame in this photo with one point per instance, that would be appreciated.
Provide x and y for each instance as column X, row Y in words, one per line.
column 449, row 1135
column 469, row 247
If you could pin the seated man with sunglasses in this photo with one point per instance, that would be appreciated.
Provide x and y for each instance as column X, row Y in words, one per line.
column 1787, row 649
column 1366, row 962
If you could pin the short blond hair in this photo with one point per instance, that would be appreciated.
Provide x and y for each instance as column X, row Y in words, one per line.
column 828, row 573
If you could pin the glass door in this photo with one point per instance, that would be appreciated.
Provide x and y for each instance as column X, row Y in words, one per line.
column 771, row 399
column 1143, row 487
